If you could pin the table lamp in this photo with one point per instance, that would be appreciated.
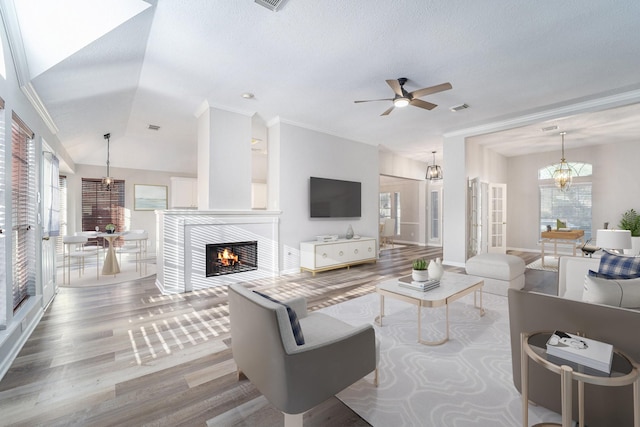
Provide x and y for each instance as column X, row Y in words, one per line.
column 614, row 240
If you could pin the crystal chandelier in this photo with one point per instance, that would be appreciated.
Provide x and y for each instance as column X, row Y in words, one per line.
column 563, row 175
column 434, row 172
column 107, row 180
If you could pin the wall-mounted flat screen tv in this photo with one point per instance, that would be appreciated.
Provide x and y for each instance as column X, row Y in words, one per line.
column 332, row 198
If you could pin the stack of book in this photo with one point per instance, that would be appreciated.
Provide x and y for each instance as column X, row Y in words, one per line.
column 580, row 350
column 409, row 283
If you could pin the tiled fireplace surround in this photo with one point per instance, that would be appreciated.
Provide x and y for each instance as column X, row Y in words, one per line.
column 184, row 234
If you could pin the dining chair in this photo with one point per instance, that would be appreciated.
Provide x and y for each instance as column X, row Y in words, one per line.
column 74, row 248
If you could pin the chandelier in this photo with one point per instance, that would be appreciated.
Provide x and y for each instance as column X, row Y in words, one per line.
column 107, row 180
column 563, row 175
column 434, row 172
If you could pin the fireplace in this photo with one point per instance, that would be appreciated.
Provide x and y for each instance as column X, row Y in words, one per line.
column 230, row 258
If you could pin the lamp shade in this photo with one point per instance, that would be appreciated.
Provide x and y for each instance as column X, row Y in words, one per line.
column 613, row 239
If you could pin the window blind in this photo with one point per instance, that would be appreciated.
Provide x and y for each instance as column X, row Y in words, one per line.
column 23, row 211
column 62, row 184
column 101, row 207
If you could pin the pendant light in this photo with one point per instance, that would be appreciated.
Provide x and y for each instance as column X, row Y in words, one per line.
column 107, row 180
column 434, row 172
column 563, row 174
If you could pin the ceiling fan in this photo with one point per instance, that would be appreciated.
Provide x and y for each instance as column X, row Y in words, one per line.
column 404, row 98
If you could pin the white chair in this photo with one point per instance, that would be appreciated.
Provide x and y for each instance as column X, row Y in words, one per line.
column 93, row 244
column 74, row 248
column 388, row 231
column 135, row 242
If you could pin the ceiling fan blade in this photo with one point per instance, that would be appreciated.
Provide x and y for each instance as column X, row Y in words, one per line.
column 429, row 90
column 386, row 113
column 395, row 85
column 422, row 104
column 373, row 100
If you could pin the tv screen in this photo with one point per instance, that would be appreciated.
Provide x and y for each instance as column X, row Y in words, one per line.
column 332, row 198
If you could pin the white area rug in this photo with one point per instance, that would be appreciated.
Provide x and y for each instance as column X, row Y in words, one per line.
column 465, row 382
column 386, row 247
column 90, row 278
column 550, row 264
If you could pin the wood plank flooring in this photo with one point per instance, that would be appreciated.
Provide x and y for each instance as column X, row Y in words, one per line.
column 125, row 355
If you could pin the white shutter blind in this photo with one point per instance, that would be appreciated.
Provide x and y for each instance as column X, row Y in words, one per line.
column 23, row 211
column 62, row 183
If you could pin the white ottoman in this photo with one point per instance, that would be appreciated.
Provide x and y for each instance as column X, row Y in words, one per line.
column 499, row 271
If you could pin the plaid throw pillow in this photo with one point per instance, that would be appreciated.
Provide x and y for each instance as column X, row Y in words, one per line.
column 614, row 266
column 293, row 319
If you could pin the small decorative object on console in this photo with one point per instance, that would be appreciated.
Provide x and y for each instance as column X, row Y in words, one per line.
column 349, row 234
column 584, row 351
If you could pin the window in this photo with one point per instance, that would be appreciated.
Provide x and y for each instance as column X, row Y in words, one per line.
column 390, row 208
column 62, row 184
column 435, row 214
column 100, row 206
column 574, row 205
column 23, row 211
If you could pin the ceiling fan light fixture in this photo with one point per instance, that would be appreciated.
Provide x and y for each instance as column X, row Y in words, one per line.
column 401, row 102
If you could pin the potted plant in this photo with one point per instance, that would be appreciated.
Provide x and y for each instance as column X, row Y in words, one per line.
column 420, row 272
column 110, row 228
column 631, row 221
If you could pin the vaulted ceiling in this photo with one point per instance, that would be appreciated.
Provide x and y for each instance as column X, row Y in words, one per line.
column 136, row 63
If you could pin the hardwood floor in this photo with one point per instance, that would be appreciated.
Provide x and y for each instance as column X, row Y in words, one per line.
column 125, row 355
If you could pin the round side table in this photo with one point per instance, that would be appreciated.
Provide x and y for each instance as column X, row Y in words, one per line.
column 623, row 372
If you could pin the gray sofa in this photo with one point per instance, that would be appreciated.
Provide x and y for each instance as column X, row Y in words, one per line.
column 295, row 378
column 532, row 312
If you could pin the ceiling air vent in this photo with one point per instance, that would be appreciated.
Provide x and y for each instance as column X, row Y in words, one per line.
column 154, row 127
column 273, row 5
column 549, row 128
column 459, row 107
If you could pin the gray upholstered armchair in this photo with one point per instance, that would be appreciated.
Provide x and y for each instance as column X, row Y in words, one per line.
column 295, row 378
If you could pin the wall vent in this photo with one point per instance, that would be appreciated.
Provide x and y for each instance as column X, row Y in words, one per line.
column 154, row 127
column 459, row 107
column 549, row 128
column 273, row 5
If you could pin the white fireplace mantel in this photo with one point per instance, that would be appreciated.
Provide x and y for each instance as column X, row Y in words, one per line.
column 184, row 234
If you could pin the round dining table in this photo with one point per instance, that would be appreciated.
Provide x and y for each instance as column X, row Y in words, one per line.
column 110, row 265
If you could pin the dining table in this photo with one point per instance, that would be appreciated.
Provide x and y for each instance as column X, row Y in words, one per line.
column 110, row 266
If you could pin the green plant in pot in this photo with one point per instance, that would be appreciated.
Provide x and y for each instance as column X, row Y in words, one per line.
column 110, row 228
column 420, row 272
column 630, row 221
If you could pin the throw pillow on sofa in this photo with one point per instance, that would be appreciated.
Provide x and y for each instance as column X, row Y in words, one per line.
column 614, row 266
column 617, row 292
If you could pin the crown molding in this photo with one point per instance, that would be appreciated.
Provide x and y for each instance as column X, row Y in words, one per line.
column 606, row 102
column 20, row 63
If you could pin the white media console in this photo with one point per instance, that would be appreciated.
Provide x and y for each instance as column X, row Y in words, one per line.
column 321, row 256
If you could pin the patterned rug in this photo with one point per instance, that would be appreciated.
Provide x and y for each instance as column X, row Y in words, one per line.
column 550, row 264
column 465, row 382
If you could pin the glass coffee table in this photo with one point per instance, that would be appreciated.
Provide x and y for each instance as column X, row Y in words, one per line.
column 453, row 286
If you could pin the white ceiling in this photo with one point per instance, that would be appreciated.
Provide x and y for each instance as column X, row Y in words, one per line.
column 308, row 62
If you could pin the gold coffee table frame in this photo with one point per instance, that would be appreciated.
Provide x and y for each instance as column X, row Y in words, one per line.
column 453, row 286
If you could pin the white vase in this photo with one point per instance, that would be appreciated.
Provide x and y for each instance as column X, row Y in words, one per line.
column 420, row 275
column 435, row 269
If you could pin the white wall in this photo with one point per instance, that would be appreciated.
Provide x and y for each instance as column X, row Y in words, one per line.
column 305, row 153
column 485, row 164
column 615, row 188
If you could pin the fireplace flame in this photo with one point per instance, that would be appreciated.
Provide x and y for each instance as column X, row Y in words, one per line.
column 227, row 258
